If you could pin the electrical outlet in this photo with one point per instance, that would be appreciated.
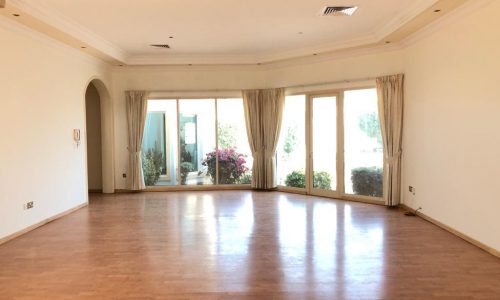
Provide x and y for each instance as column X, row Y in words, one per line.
column 124, row 175
column 411, row 189
column 29, row 205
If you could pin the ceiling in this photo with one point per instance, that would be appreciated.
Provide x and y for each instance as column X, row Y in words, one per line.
column 221, row 31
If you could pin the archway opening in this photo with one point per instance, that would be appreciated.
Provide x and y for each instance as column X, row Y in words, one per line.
column 99, row 135
column 94, row 138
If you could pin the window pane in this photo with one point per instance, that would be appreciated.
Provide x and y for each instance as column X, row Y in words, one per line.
column 363, row 144
column 291, row 151
column 324, row 135
column 197, row 139
column 235, row 157
column 159, row 148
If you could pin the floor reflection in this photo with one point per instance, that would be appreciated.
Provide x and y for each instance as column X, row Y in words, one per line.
column 321, row 242
column 290, row 244
column 242, row 245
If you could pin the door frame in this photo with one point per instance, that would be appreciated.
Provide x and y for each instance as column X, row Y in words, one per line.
column 310, row 148
column 339, row 193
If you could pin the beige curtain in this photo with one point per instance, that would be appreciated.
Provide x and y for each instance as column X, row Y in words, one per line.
column 136, row 117
column 390, row 90
column 263, row 114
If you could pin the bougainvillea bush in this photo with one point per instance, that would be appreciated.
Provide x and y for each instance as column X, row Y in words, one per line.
column 231, row 165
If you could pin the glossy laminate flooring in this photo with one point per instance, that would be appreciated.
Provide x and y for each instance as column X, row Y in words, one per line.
column 242, row 245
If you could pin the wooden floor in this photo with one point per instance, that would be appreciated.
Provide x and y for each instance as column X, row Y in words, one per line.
column 242, row 245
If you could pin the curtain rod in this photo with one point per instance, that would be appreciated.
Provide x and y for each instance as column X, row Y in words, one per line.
column 287, row 87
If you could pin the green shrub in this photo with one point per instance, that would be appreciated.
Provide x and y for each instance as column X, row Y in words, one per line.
column 367, row 181
column 246, row 178
column 296, row 179
column 152, row 161
column 322, row 180
column 186, row 167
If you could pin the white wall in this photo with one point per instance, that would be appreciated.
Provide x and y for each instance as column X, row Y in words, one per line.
column 43, row 87
column 452, row 125
column 93, row 135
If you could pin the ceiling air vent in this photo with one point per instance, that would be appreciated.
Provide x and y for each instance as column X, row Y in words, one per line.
column 166, row 46
column 339, row 10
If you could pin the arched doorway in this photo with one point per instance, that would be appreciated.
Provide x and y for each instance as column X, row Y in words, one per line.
column 94, row 144
column 99, row 137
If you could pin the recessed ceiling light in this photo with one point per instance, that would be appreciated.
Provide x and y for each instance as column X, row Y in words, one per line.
column 437, row 10
column 16, row 15
column 387, row 42
column 170, row 37
column 315, row 54
column 83, row 47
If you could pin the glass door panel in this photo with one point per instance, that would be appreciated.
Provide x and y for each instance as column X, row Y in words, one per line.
column 363, row 150
column 324, row 143
column 197, row 140
column 159, row 147
column 235, row 157
column 291, row 150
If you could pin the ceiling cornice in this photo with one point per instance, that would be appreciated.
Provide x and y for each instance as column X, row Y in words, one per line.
column 69, row 27
column 402, row 18
column 376, row 37
column 103, row 48
column 468, row 8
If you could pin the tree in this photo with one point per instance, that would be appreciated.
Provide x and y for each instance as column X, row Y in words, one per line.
column 370, row 125
column 290, row 140
column 227, row 135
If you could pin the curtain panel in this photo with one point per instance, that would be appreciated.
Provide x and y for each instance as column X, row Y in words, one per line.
column 136, row 103
column 390, row 90
column 263, row 115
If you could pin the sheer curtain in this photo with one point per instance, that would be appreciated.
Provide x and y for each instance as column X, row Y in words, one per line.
column 390, row 90
column 137, row 105
column 263, row 115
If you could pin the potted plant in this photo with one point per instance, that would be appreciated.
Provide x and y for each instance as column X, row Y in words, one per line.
column 231, row 165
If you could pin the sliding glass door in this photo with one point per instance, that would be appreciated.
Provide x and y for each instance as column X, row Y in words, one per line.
column 291, row 150
column 196, row 142
column 341, row 135
column 363, row 151
column 159, row 147
column 197, row 139
column 322, row 177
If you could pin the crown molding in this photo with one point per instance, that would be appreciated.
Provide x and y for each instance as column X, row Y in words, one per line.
column 69, row 27
column 120, row 56
column 376, row 37
column 467, row 8
column 18, row 28
column 335, row 55
column 402, row 18
column 180, row 59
